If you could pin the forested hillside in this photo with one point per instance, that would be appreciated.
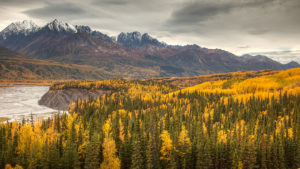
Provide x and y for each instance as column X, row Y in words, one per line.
column 194, row 80
column 251, row 122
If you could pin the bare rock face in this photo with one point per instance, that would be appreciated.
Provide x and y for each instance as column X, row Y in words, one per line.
column 61, row 99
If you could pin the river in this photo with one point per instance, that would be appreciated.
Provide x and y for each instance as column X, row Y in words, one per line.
column 18, row 102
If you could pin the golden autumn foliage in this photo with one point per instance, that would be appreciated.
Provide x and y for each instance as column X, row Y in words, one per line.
column 242, row 90
column 26, row 138
column 122, row 136
column 222, row 137
column 184, row 142
column 143, row 89
column 246, row 122
column 110, row 161
column 8, row 166
column 167, row 145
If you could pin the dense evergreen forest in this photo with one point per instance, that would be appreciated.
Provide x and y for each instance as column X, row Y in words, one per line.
column 236, row 123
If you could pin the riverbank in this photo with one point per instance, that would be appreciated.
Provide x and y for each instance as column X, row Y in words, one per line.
column 9, row 83
column 19, row 102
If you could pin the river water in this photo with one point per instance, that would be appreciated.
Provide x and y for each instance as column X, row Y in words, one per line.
column 21, row 102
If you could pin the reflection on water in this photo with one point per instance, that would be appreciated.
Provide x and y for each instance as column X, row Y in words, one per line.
column 20, row 101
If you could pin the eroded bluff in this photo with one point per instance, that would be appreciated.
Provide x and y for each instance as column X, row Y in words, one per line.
column 61, row 99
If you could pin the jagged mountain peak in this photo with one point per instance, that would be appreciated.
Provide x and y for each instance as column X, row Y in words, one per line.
column 130, row 38
column 293, row 64
column 256, row 57
column 25, row 28
column 137, row 39
column 146, row 35
column 147, row 39
column 60, row 26
column 83, row 29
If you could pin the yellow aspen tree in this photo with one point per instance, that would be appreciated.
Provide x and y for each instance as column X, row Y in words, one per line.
column 240, row 165
column 166, row 147
column 222, row 137
column 184, row 142
column 26, row 139
column 122, row 135
column 8, row 166
column 206, row 117
column 18, row 167
column 110, row 160
column 290, row 133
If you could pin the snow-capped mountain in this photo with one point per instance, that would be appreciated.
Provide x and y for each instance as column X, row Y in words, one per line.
column 83, row 29
column 19, row 31
column 130, row 38
column 23, row 28
column 62, row 27
column 137, row 39
column 147, row 39
column 59, row 26
column 96, row 34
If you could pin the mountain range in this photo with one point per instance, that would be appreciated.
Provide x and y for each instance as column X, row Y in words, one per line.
column 131, row 55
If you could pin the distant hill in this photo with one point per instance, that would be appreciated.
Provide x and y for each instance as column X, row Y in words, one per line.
column 192, row 81
column 132, row 56
column 14, row 66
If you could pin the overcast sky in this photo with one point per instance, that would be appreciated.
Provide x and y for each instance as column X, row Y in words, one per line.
column 269, row 27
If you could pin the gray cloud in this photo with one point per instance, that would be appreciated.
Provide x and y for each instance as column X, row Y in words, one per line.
column 19, row 2
column 112, row 2
column 243, row 47
column 134, row 6
column 56, row 10
column 258, row 31
column 198, row 11
column 254, row 17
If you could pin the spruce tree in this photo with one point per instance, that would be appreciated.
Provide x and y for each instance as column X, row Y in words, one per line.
column 70, row 157
column 149, row 154
column 137, row 158
column 92, row 153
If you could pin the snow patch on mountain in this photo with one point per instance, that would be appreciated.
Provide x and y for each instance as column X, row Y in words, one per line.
column 24, row 28
column 83, row 29
column 130, row 38
column 59, row 26
column 147, row 39
column 137, row 39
